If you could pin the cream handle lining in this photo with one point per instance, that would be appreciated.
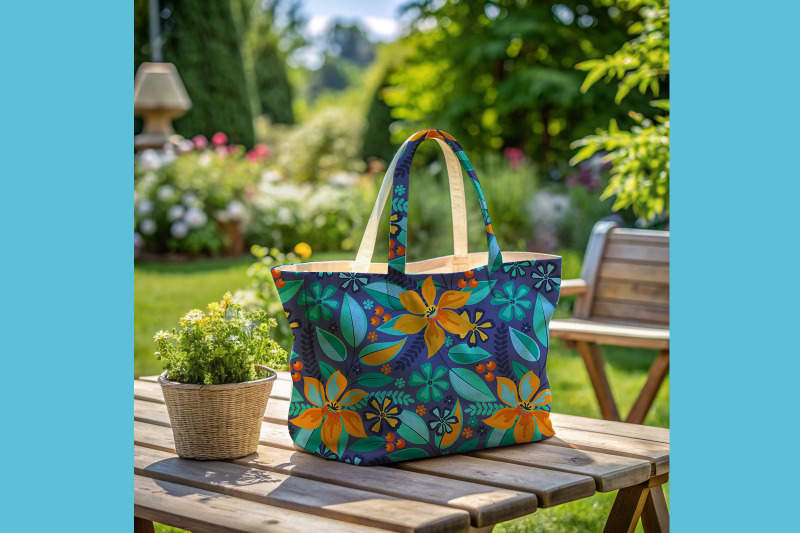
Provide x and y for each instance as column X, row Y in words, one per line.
column 457, row 204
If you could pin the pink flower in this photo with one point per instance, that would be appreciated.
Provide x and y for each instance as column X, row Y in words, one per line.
column 514, row 156
column 200, row 141
column 219, row 139
column 259, row 151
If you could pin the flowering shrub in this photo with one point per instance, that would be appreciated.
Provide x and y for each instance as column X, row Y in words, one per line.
column 212, row 197
column 221, row 346
column 191, row 203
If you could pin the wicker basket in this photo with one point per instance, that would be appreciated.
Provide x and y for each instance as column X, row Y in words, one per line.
column 217, row 421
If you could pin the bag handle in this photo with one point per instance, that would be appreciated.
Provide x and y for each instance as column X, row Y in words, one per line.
column 398, row 221
column 457, row 202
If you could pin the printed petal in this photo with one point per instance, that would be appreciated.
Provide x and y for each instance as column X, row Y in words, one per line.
column 353, row 424
column 502, row 419
column 508, row 287
column 308, row 419
column 438, row 373
column 337, row 383
column 543, row 423
column 453, row 322
column 314, row 391
column 507, row 313
column 331, row 431
column 410, row 324
column 429, row 291
column 522, row 290
column 434, row 338
column 330, row 290
column 524, row 430
column 454, row 299
column 507, row 391
column 313, row 313
column 542, row 399
column 528, row 386
column 352, row 397
column 416, row 379
column 412, row 302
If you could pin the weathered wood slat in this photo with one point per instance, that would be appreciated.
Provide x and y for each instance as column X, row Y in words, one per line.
column 638, row 236
column 290, row 492
column 573, row 286
column 621, row 250
column 486, row 505
column 610, row 472
column 613, row 428
column 633, row 292
column 655, row 452
column 576, row 329
column 622, row 311
column 619, row 270
column 552, row 487
column 201, row 510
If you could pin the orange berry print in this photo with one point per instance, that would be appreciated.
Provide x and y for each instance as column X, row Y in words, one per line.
column 375, row 320
column 462, row 283
column 387, row 317
column 489, row 376
column 379, row 310
column 390, row 437
column 276, row 274
column 296, row 376
column 490, row 365
column 279, row 283
column 480, row 368
column 469, row 273
column 400, row 444
column 473, row 283
column 297, row 365
column 390, row 447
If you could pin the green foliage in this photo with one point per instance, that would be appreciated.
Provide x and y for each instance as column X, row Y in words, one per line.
column 204, row 45
column 261, row 292
column 270, row 76
column 501, row 74
column 639, row 157
column 329, row 142
column 221, row 346
column 377, row 136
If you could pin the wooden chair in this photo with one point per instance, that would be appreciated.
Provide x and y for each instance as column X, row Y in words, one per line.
column 623, row 300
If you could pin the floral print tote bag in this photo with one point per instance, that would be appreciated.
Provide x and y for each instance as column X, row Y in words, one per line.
column 396, row 361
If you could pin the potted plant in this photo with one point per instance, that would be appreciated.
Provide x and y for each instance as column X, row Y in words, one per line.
column 216, row 381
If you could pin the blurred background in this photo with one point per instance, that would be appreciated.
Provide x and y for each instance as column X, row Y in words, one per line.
column 262, row 130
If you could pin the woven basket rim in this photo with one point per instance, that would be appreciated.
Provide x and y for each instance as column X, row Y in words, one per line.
column 272, row 376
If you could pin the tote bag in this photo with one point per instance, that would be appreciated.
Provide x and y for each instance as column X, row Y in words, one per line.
column 402, row 361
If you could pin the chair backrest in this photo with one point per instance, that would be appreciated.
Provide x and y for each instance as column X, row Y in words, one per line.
column 627, row 276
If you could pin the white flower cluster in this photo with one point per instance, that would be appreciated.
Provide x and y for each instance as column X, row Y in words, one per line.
column 193, row 316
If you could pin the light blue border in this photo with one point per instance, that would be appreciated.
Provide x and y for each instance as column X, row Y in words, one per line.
column 67, row 306
column 735, row 374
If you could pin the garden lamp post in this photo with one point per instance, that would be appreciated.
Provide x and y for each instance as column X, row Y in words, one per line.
column 158, row 92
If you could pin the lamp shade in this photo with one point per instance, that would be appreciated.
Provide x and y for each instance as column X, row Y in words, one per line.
column 158, row 86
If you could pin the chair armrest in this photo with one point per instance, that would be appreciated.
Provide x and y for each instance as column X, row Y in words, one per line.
column 573, row 286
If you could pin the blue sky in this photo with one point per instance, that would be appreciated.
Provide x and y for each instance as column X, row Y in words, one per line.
column 379, row 17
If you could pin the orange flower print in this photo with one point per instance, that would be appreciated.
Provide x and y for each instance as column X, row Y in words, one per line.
column 386, row 369
column 328, row 412
column 372, row 336
column 522, row 403
column 467, row 433
column 432, row 315
column 421, row 410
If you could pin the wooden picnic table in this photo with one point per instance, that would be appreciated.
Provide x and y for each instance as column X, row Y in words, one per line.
column 282, row 489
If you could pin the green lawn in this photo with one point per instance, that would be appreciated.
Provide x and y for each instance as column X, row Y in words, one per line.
column 164, row 292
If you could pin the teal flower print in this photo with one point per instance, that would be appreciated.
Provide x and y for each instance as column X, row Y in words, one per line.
column 352, row 281
column 400, row 383
column 320, row 302
column 448, row 341
column 542, row 272
column 368, row 304
column 515, row 268
column 514, row 303
column 443, row 421
column 399, row 190
column 431, row 380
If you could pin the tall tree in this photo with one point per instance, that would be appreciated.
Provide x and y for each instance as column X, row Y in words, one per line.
column 203, row 43
column 502, row 72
